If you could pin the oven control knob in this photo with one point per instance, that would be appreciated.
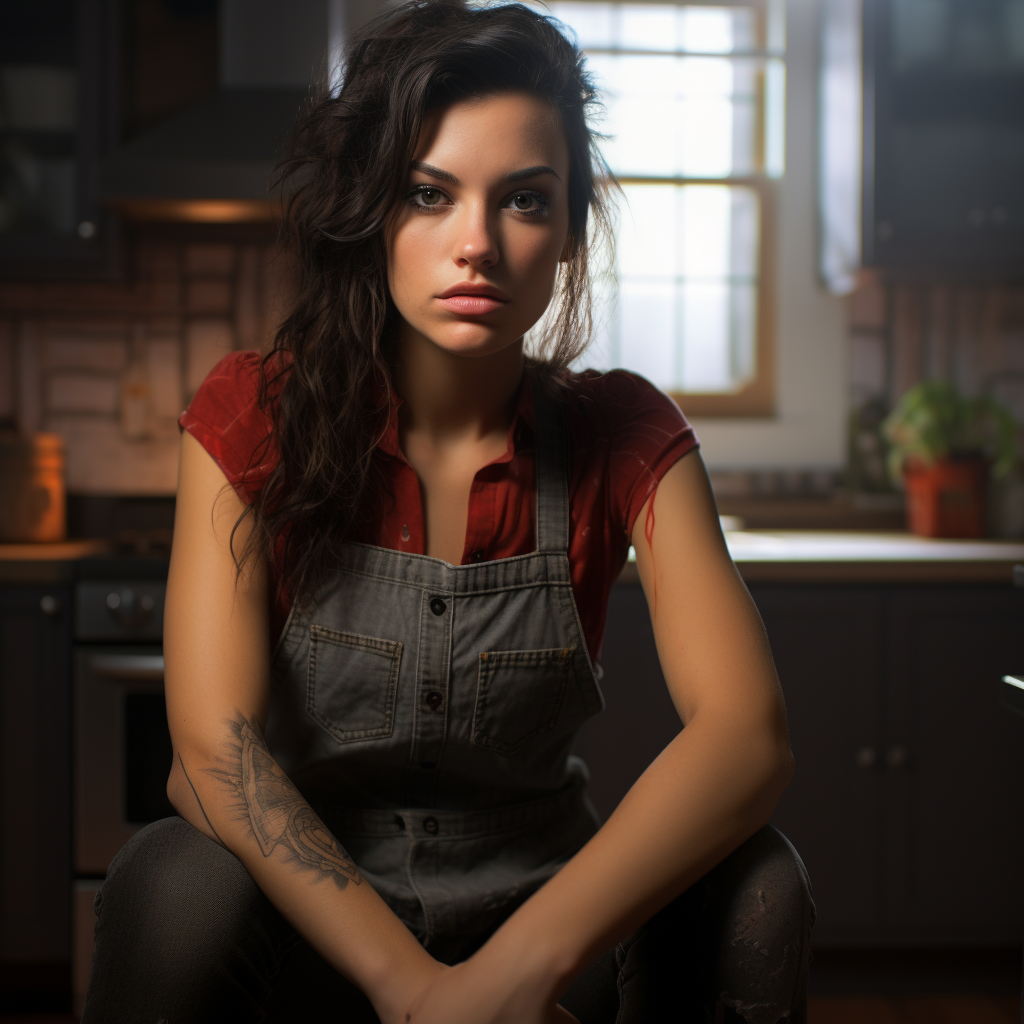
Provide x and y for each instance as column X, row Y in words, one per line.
column 50, row 605
column 129, row 610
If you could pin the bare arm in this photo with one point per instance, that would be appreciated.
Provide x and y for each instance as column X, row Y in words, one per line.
column 712, row 787
column 225, row 781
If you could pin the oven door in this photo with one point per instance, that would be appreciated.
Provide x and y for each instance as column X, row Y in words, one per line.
column 122, row 750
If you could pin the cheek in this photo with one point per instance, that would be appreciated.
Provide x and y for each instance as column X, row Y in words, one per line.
column 533, row 250
column 408, row 257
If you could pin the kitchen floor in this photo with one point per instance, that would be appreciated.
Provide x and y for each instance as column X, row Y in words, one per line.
column 860, row 1009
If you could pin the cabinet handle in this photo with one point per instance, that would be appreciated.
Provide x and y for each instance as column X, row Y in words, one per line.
column 898, row 757
column 865, row 757
column 50, row 605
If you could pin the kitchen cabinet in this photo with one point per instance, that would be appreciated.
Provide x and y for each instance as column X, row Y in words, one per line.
column 955, row 810
column 35, row 772
column 57, row 118
column 922, row 140
column 908, row 800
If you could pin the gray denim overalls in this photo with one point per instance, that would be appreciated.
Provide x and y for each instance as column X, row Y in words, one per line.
column 427, row 712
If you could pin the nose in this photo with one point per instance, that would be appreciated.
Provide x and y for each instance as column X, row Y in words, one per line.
column 476, row 242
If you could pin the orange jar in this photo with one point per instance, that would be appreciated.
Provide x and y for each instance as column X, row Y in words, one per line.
column 32, row 501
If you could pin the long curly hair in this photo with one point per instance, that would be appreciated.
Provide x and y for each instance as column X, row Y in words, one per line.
column 326, row 382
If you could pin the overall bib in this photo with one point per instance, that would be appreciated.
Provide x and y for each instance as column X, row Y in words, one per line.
column 427, row 712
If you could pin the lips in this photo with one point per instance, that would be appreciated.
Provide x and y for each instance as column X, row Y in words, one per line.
column 472, row 299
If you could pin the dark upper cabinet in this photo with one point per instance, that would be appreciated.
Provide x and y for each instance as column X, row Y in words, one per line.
column 57, row 118
column 922, row 140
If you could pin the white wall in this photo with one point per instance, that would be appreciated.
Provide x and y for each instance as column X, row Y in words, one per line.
column 809, row 428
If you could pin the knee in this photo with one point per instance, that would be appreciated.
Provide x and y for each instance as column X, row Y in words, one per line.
column 761, row 900
column 172, row 885
column 767, row 891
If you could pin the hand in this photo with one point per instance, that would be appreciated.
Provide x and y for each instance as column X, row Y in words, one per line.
column 470, row 993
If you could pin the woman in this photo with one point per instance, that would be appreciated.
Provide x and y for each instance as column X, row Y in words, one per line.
column 393, row 549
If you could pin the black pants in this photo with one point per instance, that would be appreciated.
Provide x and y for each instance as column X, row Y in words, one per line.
column 184, row 936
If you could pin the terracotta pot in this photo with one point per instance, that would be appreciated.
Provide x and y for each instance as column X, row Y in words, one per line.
column 32, row 504
column 947, row 498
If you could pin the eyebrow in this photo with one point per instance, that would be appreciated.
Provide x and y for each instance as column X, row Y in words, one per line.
column 442, row 175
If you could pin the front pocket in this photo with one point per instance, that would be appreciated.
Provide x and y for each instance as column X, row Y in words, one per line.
column 352, row 684
column 519, row 695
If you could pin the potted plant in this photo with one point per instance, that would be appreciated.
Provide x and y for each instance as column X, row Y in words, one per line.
column 943, row 448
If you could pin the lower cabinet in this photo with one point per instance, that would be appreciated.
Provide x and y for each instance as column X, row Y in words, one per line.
column 908, row 800
column 35, row 774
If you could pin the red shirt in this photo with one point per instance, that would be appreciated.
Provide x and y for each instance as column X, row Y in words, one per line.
column 624, row 434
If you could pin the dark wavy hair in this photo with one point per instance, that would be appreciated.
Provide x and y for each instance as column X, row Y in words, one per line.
column 326, row 383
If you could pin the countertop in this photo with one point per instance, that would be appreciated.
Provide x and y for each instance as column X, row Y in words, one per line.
column 46, row 563
column 762, row 556
column 831, row 556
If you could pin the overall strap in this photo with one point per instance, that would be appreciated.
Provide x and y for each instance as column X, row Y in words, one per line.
column 552, row 477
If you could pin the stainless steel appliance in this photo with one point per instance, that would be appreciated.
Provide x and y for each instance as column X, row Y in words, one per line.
column 122, row 750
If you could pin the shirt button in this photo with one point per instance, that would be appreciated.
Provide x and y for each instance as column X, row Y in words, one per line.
column 430, row 826
column 433, row 700
column 437, row 606
column 478, row 556
column 405, row 532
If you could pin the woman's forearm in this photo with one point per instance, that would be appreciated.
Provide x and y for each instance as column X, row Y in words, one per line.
column 241, row 798
column 708, row 791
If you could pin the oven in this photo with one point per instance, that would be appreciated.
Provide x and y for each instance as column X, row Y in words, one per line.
column 121, row 745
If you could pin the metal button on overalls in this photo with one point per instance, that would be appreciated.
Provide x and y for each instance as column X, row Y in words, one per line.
column 428, row 710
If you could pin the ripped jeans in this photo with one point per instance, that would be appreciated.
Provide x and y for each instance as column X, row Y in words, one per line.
column 184, row 936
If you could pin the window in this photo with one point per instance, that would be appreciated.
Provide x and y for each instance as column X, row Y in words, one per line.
column 694, row 98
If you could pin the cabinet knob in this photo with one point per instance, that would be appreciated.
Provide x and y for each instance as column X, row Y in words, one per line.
column 50, row 605
column 865, row 757
column 898, row 757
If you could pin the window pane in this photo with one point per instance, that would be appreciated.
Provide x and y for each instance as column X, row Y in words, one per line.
column 664, row 27
column 646, row 327
column 684, row 312
column 592, row 23
column 673, row 116
column 648, row 27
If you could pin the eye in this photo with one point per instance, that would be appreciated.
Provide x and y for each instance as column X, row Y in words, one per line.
column 427, row 197
column 532, row 204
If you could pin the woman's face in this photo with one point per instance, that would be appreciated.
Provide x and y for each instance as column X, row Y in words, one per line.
column 474, row 248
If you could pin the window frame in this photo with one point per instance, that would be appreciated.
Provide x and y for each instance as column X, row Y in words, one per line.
column 757, row 398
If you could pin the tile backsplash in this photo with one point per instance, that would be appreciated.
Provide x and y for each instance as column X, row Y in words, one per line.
column 110, row 365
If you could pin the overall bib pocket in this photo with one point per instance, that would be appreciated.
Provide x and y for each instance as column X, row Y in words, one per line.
column 352, row 684
column 519, row 696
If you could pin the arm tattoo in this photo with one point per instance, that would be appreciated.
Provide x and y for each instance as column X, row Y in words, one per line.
column 200, row 802
column 276, row 812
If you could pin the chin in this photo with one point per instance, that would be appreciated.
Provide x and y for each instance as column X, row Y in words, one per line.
column 472, row 340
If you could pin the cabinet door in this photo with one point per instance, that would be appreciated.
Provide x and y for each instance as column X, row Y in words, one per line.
column 826, row 642
column 35, row 749
column 955, row 796
column 56, row 93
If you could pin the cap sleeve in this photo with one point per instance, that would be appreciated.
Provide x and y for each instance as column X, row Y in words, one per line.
column 646, row 433
column 226, row 419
